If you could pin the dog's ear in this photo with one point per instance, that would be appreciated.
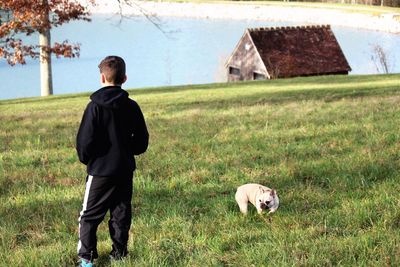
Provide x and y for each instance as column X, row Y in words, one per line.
column 261, row 189
column 273, row 192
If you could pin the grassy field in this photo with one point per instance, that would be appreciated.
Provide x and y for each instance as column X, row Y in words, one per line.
column 358, row 8
column 329, row 145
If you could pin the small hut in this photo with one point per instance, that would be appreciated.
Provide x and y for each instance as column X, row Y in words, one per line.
column 282, row 52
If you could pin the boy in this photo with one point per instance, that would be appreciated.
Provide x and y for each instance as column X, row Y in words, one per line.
column 112, row 131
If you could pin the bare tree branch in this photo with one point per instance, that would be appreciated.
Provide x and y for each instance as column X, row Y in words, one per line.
column 152, row 18
column 382, row 59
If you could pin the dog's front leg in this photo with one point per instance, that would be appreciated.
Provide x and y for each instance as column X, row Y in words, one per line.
column 272, row 210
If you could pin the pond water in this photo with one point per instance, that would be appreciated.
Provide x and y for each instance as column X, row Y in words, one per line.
column 192, row 51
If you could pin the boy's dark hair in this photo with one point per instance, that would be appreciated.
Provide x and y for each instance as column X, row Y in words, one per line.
column 113, row 68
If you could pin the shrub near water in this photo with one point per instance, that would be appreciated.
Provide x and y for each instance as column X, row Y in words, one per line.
column 329, row 145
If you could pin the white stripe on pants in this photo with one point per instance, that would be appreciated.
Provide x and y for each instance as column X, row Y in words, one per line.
column 84, row 205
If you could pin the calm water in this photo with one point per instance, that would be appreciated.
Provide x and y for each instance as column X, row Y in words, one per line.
column 194, row 51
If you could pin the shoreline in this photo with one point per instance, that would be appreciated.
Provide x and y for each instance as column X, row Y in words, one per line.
column 385, row 22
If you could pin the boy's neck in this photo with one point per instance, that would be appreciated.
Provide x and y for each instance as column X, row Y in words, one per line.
column 110, row 84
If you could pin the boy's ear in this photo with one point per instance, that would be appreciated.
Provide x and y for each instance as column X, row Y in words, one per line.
column 102, row 78
column 126, row 78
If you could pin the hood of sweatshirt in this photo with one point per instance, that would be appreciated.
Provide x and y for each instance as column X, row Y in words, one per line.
column 110, row 97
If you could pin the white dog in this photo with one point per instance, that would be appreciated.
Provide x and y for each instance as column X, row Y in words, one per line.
column 260, row 196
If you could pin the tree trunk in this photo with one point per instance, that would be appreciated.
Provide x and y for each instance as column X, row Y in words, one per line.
column 46, row 78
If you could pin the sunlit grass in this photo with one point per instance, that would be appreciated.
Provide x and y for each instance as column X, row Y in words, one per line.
column 357, row 8
column 329, row 145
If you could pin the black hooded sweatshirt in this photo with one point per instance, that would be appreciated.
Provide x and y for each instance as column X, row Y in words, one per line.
column 112, row 131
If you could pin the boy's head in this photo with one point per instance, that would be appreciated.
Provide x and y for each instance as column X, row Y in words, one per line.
column 112, row 70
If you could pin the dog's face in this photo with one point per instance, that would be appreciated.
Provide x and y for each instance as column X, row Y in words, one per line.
column 267, row 199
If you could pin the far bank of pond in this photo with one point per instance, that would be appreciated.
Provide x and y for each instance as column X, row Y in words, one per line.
column 191, row 51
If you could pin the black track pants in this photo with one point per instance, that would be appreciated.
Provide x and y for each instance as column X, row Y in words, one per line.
column 103, row 194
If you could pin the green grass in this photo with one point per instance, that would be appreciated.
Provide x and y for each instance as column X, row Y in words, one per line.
column 329, row 145
column 358, row 8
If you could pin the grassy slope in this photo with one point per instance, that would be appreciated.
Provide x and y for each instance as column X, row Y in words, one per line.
column 329, row 145
column 359, row 8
